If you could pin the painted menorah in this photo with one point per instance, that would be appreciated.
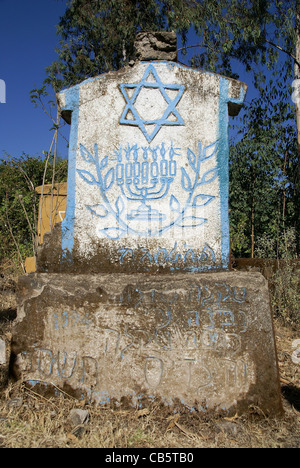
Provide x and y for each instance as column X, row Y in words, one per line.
column 146, row 176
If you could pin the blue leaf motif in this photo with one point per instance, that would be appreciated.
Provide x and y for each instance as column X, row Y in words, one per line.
column 209, row 151
column 174, row 204
column 98, row 210
column 191, row 221
column 87, row 176
column 192, row 159
column 86, row 155
column 113, row 233
column 109, row 179
column 208, row 177
column 185, row 180
column 120, row 205
column 203, row 200
column 104, row 162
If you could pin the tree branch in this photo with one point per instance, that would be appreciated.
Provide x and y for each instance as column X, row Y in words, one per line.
column 283, row 50
column 13, row 237
column 196, row 45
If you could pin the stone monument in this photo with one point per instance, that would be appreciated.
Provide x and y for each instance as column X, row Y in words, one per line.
column 133, row 296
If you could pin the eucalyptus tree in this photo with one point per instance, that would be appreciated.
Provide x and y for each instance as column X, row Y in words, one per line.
column 98, row 35
column 264, row 189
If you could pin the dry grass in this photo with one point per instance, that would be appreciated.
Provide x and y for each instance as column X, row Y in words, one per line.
column 30, row 420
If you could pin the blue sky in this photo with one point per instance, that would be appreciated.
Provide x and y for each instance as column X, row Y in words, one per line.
column 27, row 46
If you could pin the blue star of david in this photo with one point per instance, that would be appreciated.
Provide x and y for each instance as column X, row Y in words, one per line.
column 156, row 84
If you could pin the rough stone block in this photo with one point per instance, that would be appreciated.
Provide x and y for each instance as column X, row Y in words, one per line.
column 161, row 45
column 204, row 340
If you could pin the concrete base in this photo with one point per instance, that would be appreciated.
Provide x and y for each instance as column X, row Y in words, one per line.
column 205, row 340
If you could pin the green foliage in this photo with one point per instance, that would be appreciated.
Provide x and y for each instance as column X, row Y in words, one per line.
column 19, row 201
column 285, row 283
column 285, row 294
column 239, row 237
column 98, row 35
column 283, row 246
column 264, row 190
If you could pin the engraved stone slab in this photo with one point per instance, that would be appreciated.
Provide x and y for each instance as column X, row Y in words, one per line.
column 205, row 340
column 148, row 172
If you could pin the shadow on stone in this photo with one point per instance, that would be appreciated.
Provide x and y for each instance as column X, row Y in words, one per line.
column 8, row 315
column 292, row 394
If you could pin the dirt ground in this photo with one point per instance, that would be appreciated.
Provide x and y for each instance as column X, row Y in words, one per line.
column 29, row 420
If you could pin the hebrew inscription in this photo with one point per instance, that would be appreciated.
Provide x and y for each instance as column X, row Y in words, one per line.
column 151, row 336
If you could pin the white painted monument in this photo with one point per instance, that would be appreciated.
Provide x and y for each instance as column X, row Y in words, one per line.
column 148, row 176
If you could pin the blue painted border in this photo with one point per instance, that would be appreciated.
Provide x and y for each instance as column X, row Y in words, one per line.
column 72, row 103
column 223, row 164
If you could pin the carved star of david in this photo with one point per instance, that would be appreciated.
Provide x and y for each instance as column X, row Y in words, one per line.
column 135, row 119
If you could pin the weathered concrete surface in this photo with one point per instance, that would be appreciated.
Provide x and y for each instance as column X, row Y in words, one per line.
column 205, row 340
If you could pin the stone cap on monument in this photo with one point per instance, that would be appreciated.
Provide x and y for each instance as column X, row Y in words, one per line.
column 156, row 45
column 148, row 168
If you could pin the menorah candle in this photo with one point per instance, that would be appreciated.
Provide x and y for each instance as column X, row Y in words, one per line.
column 172, row 169
column 154, row 169
column 137, row 169
column 120, row 173
column 164, row 167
